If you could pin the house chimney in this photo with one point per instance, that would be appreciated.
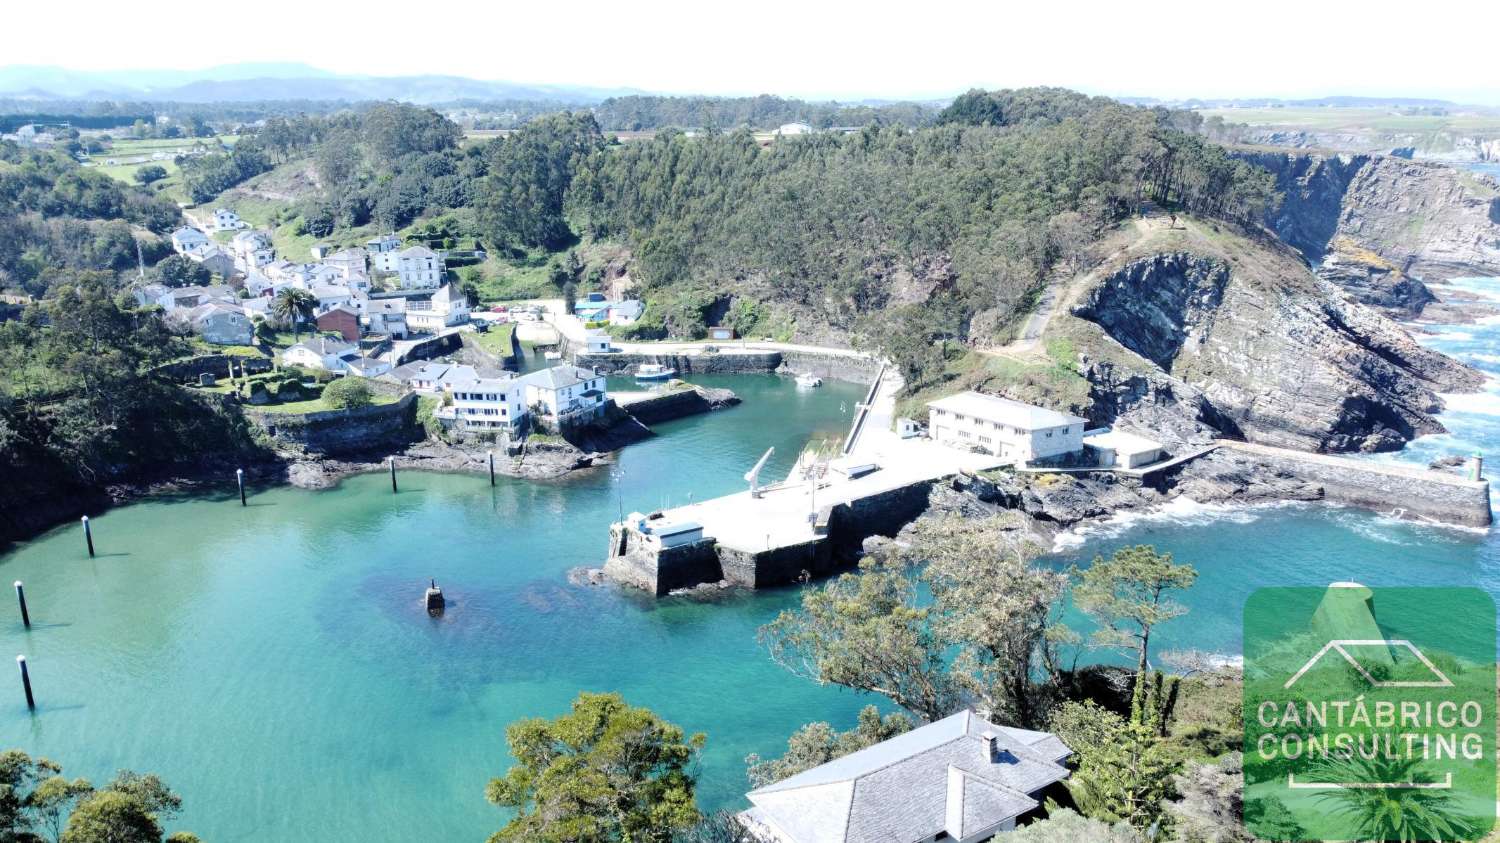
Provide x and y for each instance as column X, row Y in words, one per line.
column 991, row 746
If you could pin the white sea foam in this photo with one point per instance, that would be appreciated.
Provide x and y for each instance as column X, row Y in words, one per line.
column 1485, row 403
column 1182, row 511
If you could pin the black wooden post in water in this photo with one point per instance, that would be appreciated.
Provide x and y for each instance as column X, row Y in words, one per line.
column 393, row 475
column 492, row 468
column 21, row 598
column 239, row 476
column 26, row 682
column 88, row 536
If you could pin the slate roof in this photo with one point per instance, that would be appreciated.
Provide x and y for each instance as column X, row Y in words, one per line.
column 324, row 346
column 558, row 377
column 1004, row 410
column 915, row 785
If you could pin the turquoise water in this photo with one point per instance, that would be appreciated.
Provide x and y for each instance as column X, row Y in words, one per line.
column 274, row 663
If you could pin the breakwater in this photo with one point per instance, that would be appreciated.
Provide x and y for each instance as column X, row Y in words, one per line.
column 1391, row 489
column 741, row 360
column 669, row 404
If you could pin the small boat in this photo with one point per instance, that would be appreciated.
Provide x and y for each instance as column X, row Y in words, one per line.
column 807, row 379
column 553, row 355
column 653, row 372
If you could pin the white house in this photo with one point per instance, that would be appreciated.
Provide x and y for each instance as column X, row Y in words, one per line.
column 186, row 239
column 1118, row 449
column 227, row 220
column 626, row 312
column 597, row 342
column 321, row 353
column 793, row 129
column 488, row 405
column 1005, row 428
column 330, row 296
column 252, row 250
column 349, row 260
column 382, row 316
column 418, row 267
column 442, row 308
column 961, row 779
column 365, row 367
column 564, row 392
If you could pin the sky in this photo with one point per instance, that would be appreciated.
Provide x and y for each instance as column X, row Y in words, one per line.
column 811, row 49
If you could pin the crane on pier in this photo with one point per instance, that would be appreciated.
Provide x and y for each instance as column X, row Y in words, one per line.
column 753, row 475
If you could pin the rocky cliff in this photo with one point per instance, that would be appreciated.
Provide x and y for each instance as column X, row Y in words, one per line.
column 1202, row 332
column 1377, row 219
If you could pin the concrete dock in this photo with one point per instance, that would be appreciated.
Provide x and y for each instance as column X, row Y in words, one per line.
column 795, row 527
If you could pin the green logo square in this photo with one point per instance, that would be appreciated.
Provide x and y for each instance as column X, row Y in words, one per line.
column 1369, row 713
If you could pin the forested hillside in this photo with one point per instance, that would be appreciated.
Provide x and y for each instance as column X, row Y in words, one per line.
column 763, row 112
column 899, row 236
column 57, row 216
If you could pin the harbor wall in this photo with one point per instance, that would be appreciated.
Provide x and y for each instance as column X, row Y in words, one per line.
column 731, row 361
column 723, row 363
column 1397, row 490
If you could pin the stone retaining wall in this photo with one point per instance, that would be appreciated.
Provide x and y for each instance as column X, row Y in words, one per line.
column 336, row 432
column 1397, row 490
column 685, row 364
column 187, row 371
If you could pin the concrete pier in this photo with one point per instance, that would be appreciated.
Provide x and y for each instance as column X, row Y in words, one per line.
column 798, row 526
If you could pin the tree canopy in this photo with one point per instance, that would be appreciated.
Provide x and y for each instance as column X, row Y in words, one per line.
column 604, row 772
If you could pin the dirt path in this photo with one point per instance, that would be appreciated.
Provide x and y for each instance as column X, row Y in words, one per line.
column 1065, row 292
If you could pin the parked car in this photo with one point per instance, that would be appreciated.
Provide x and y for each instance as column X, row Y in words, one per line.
column 499, row 308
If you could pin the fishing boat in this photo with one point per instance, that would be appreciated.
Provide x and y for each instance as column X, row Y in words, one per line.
column 653, row 372
column 553, row 355
column 809, row 380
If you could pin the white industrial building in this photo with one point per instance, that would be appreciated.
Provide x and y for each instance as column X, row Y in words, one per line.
column 1002, row 427
column 1118, row 449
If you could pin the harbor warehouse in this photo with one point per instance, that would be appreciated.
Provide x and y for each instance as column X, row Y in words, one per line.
column 1005, row 428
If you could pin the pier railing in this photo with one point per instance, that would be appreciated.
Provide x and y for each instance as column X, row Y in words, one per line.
column 862, row 412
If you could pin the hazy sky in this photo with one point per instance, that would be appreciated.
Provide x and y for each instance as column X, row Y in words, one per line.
column 806, row 48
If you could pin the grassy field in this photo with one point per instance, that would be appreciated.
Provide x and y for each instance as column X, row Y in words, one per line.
column 1359, row 119
column 496, row 340
column 124, row 149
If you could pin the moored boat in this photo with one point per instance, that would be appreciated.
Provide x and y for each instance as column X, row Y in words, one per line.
column 653, row 372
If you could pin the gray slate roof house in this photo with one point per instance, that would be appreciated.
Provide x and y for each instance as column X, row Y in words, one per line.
column 961, row 778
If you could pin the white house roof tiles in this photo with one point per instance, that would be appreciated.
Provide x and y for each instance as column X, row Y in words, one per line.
column 1004, row 410
column 899, row 789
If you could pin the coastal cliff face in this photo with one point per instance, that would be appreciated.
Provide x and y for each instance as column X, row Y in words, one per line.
column 1373, row 221
column 1226, row 336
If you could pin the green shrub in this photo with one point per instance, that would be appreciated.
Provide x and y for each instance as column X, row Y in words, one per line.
column 348, row 393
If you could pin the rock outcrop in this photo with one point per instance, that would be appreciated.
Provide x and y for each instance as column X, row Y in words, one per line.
column 1426, row 220
column 1236, row 338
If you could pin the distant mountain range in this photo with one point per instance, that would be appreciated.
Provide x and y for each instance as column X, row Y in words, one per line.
column 257, row 81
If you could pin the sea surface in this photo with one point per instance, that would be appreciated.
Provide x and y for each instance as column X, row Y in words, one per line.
column 274, row 663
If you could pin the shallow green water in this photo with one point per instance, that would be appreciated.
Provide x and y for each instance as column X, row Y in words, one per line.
column 275, row 665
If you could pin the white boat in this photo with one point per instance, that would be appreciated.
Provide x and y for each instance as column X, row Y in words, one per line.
column 808, row 379
column 653, row 372
column 553, row 355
